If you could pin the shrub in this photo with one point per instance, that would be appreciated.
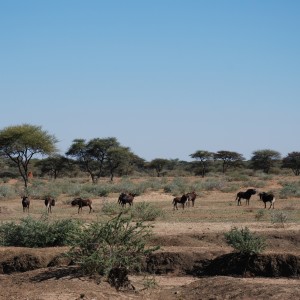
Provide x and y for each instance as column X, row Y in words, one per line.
column 105, row 247
column 279, row 218
column 212, row 184
column 7, row 192
column 38, row 233
column 290, row 190
column 146, row 212
column 260, row 214
column 244, row 241
column 113, row 208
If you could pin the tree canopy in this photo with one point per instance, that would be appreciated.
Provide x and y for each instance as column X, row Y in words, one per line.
column 264, row 159
column 204, row 157
column 21, row 142
column 229, row 159
column 100, row 156
column 292, row 161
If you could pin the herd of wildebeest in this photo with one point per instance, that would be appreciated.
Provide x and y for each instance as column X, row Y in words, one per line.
column 127, row 198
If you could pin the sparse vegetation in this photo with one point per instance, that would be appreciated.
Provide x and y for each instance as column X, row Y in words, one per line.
column 279, row 217
column 260, row 214
column 146, row 212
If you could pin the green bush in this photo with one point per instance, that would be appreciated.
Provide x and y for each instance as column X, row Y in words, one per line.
column 244, row 241
column 290, row 190
column 145, row 212
column 7, row 192
column 117, row 244
column 113, row 208
column 260, row 214
column 38, row 233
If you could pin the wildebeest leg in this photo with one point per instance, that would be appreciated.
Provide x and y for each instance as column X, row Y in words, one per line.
column 90, row 208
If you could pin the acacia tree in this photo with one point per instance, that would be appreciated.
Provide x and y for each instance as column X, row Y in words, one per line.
column 264, row 159
column 20, row 143
column 55, row 165
column 78, row 150
column 292, row 161
column 204, row 157
column 229, row 159
column 99, row 157
column 118, row 158
column 158, row 164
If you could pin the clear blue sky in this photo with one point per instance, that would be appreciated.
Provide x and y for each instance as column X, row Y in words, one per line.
column 165, row 77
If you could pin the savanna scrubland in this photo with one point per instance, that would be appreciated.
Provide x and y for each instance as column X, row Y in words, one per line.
column 194, row 260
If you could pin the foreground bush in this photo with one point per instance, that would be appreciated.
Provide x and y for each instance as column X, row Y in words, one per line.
column 38, row 233
column 244, row 241
column 112, row 248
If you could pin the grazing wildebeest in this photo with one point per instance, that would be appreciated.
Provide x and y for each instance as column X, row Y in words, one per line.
column 191, row 197
column 49, row 202
column 181, row 200
column 265, row 197
column 245, row 195
column 82, row 202
column 25, row 203
column 125, row 198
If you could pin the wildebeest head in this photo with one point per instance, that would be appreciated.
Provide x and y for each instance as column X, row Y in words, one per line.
column 251, row 191
column 75, row 201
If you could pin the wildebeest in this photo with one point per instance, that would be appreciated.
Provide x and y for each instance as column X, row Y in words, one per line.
column 245, row 195
column 125, row 198
column 267, row 197
column 82, row 202
column 49, row 202
column 25, row 203
column 181, row 200
column 191, row 197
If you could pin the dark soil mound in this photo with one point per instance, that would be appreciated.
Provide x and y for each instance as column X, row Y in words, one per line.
column 174, row 263
column 20, row 263
column 269, row 265
column 232, row 264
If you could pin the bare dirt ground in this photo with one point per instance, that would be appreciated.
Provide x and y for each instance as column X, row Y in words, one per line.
column 188, row 238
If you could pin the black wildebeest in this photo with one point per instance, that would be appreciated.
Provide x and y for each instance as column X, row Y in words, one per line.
column 245, row 195
column 181, row 200
column 49, row 202
column 81, row 203
column 125, row 198
column 191, row 197
column 25, row 203
column 267, row 197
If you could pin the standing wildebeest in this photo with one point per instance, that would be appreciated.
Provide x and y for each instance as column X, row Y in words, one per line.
column 245, row 195
column 265, row 197
column 125, row 198
column 182, row 200
column 191, row 197
column 49, row 202
column 25, row 203
column 82, row 202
